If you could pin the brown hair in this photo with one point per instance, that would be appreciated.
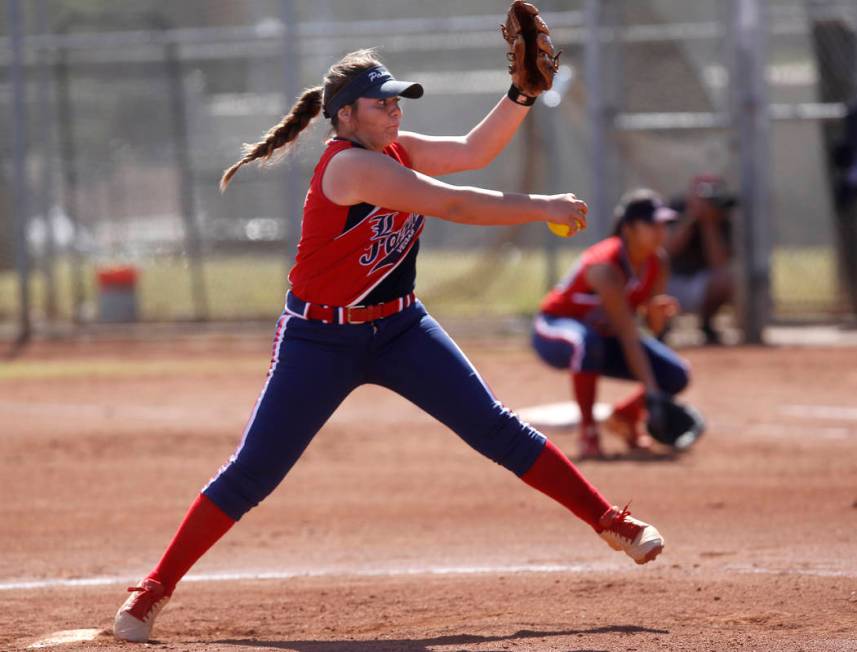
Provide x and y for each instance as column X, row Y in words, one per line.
column 307, row 107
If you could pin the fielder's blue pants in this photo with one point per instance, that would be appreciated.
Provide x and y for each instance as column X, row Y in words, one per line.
column 569, row 344
column 316, row 365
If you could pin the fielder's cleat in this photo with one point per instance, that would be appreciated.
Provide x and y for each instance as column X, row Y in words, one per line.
column 629, row 431
column 640, row 541
column 590, row 443
column 135, row 618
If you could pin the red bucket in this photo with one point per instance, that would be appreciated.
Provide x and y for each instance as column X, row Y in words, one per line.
column 117, row 293
column 119, row 276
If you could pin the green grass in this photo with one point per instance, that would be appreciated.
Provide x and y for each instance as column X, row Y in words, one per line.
column 451, row 282
column 804, row 279
column 236, row 287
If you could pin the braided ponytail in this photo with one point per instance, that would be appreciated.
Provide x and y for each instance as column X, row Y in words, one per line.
column 304, row 110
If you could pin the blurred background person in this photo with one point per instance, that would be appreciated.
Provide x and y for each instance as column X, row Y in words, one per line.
column 845, row 160
column 700, row 252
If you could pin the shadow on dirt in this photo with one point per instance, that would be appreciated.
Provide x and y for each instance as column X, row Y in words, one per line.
column 642, row 456
column 424, row 645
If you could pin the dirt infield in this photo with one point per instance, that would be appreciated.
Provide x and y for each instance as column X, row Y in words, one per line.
column 391, row 534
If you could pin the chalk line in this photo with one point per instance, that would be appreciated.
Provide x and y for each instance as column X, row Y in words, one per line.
column 831, row 412
column 238, row 576
column 511, row 569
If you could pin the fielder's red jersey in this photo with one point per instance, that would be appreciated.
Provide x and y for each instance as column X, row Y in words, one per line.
column 354, row 255
column 575, row 297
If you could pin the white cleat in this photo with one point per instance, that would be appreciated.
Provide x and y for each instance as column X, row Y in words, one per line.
column 640, row 541
column 135, row 618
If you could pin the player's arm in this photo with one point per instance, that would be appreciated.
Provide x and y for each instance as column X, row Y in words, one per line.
column 607, row 280
column 660, row 307
column 356, row 175
column 660, row 285
column 680, row 236
column 713, row 242
column 440, row 155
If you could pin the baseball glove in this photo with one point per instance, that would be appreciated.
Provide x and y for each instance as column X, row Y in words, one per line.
column 671, row 423
column 532, row 60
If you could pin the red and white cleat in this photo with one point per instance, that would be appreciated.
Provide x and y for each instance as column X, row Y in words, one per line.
column 590, row 443
column 640, row 541
column 135, row 618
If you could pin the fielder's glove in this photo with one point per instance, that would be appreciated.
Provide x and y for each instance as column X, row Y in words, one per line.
column 532, row 60
column 671, row 423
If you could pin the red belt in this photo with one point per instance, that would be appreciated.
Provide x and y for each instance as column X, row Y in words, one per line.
column 348, row 314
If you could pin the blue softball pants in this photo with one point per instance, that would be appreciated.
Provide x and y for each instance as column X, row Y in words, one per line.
column 316, row 365
column 569, row 344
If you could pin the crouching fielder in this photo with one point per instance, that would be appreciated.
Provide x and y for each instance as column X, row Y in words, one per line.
column 351, row 316
column 587, row 326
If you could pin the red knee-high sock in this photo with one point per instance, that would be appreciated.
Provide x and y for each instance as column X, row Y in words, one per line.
column 631, row 408
column 554, row 475
column 202, row 526
column 585, row 384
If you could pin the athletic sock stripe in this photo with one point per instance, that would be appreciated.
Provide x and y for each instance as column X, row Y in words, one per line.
column 571, row 337
column 275, row 359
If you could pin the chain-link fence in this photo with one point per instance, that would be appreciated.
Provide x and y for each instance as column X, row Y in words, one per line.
column 132, row 116
column 672, row 99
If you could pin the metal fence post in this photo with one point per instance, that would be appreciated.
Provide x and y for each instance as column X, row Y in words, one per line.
column 291, row 89
column 48, row 186
column 549, row 120
column 547, row 113
column 68, row 158
column 597, row 119
column 750, row 116
column 19, row 178
column 185, row 175
column 603, row 81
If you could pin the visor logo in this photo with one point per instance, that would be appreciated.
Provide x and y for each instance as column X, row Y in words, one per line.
column 378, row 75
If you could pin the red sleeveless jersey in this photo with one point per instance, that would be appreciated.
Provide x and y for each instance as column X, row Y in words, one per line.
column 354, row 255
column 575, row 297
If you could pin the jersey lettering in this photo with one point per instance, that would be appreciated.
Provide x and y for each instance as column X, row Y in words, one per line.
column 388, row 243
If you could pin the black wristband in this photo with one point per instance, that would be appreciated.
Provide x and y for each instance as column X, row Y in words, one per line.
column 518, row 97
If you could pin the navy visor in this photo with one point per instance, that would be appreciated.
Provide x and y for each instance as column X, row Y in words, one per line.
column 377, row 83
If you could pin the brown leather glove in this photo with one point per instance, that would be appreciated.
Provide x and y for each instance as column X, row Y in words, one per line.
column 672, row 423
column 532, row 59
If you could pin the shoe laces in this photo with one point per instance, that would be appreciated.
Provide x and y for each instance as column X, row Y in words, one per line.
column 622, row 525
column 145, row 604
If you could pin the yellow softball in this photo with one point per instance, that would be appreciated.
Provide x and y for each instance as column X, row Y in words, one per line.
column 561, row 230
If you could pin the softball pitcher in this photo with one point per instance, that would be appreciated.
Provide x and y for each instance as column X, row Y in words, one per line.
column 586, row 324
column 351, row 316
